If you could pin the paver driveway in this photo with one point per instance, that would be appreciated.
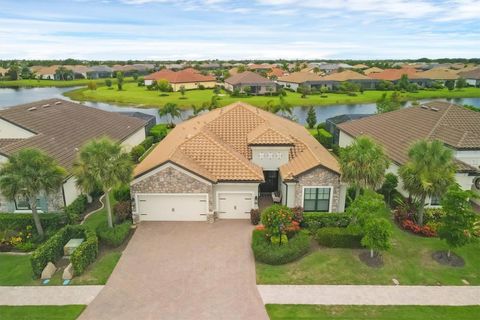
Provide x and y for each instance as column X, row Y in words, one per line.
column 183, row 270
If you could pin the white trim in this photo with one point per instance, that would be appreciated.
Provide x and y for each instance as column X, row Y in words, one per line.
column 166, row 166
column 217, row 196
column 169, row 194
column 330, row 202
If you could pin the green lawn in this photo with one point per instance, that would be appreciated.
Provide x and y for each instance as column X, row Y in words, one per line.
column 409, row 261
column 283, row 312
column 68, row 312
column 15, row 270
column 140, row 96
column 54, row 83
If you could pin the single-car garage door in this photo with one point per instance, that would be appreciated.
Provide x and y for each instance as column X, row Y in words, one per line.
column 172, row 207
column 234, row 205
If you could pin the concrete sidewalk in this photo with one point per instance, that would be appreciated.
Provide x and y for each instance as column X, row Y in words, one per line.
column 51, row 295
column 370, row 295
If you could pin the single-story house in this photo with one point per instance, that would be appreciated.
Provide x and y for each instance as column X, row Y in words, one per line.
column 257, row 83
column 60, row 128
column 296, row 79
column 3, row 72
column 79, row 71
column 260, row 67
column 394, row 75
column 328, row 68
column 45, row 73
column 331, row 124
column 472, row 77
column 372, row 70
column 276, row 73
column 100, row 71
column 224, row 162
column 334, row 80
column 457, row 127
column 188, row 78
column 439, row 74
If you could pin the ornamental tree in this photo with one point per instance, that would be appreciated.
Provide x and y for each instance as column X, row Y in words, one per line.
column 458, row 223
column 276, row 219
column 311, row 117
column 377, row 234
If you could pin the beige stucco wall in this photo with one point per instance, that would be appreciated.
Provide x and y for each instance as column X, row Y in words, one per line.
column 270, row 157
column 134, row 139
column 70, row 190
column 193, row 85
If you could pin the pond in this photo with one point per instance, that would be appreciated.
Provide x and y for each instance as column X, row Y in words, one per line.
column 14, row 96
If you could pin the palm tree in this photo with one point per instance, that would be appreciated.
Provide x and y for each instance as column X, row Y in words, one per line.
column 170, row 109
column 29, row 173
column 363, row 164
column 102, row 163
column 429, row 171
column 283, row 107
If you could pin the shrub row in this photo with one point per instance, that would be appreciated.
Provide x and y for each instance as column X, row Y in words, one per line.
column 75, row 210
column 20, row 221
column 115, row 236
column 52, row 249
column 335, row 237
column 316, row 220
column 264, row 251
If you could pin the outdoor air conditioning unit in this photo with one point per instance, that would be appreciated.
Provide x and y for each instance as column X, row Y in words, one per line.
column 476, row 183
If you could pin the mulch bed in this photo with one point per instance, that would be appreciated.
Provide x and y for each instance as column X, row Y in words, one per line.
column 454, row 260
column 375, row 262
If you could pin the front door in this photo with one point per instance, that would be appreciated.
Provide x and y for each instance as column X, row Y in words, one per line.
column 271, row 182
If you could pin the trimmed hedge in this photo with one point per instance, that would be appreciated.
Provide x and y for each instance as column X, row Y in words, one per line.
column 113, row 236
column 338, row 238
column 52, row 249
column 264, row 251
column 20, row 221
column 75, row 210
column 317, row 220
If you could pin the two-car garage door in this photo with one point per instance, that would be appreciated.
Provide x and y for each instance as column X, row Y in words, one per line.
column 172, row 207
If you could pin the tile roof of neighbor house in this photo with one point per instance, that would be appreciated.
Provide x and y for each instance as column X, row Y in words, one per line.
column 101, row 68
column 62, row 127
column 41, row 70
column 182, row 76
column 3, row 71
column 372, row 70
column 79, row 68
column 300, row 77
column 261, row 66
column 394, row 74
column 248, row 77
column 345, row 76
column 360, row 66
column 215, row 145
column 454, row 125
column 439, row 74
column 276, row 72
column 472, row 74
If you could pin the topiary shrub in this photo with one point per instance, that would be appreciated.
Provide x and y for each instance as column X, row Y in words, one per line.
column 276, row 219
column 115, row 236
column 266, row 252
column 86, row 253
column 158, row 132
column 254, row 216
column 74, row 211
column 122, row 211
column 317, row 220
column 122, row 193
column 338, row 238
column 147, row 143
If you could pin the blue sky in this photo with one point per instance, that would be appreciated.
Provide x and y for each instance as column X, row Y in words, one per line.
column 255, row 29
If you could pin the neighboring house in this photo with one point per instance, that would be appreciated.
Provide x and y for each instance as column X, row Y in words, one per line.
column 225, row 161
column 79, row 71
column 258, row 84
column 260, row 67
column 328, row 68
column 457, row 127
column 360, row 66
column 394, row 75
column 331, row 124
column 275, row 73
column 188, row 78
column 3, row 72
column 60, row 128
column 100, row 71
column 372, row 70
column 334, row 80
column 472, row 77
column 45, row 73
column 439, row 74
column 296, row 79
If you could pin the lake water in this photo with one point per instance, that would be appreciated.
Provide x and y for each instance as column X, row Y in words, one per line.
column 10, row 97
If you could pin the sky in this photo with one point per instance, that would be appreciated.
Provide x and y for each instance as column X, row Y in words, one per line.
column 255, row 29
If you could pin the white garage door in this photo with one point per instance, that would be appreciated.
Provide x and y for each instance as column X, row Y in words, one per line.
column 234, row 205
column 173, row 207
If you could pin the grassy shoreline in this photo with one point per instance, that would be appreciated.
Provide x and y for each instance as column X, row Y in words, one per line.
column 36, row 83
column 132, row 95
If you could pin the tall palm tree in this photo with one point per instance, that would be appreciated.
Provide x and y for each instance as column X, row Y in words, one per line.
column 102, row 163
column 31, row 173
column 283, row 107
column 429, row 171
column 363, row 164
column 170, row 109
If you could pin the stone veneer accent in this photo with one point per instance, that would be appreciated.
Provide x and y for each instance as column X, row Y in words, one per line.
column 171, row 180
column 319, row 177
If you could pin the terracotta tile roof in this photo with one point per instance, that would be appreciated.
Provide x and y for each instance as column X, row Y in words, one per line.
column 277, row 72
column 372, row 70
column 472, row 74
column 454, row 125
column 62, row 127
column 300, row 77
column 360, row 66
column 345, row 76
column 182, row 76
column 40, row 70
column 439, row 74
column 394, row 74
column 215, row 145
column 79, row 68
column 262, row 66
column 248, row 77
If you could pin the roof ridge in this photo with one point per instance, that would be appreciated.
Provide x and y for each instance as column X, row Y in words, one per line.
column 430, row 134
